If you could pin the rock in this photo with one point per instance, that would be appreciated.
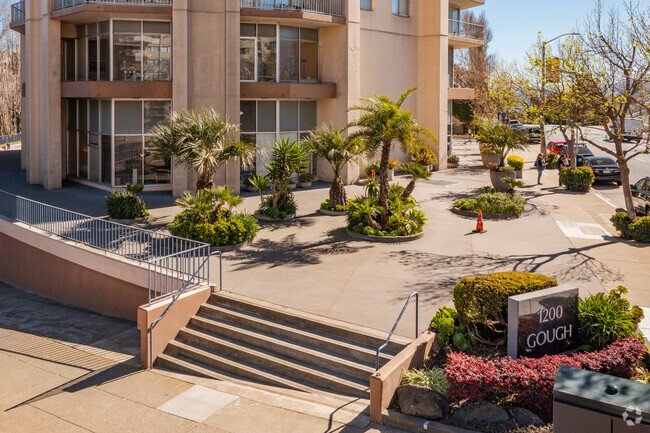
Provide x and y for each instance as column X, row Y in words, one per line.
column 480, row 413
column 525, row 418
column 422, row 401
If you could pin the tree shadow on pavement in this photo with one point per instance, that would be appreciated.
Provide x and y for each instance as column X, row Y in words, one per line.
column 293, row 253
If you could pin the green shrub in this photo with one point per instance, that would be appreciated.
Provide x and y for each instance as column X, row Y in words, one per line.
column 236, row 229
column 482, row 302
column 289, row 206
column 369, row 168
column 125, row 205
column 338, row 208
column 449, row 330
column 493, row 203
column 488, row 189
column 453, row 159
column 551, row 159
column 621, row 222
column 640, row 229
column 607, row 318
column 306, row 177
column 516, row 162
column 435, row 378
column 579, row 179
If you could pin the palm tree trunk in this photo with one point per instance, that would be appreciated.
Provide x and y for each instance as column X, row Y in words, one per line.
column 338, row 196
column 204, row 182
column 409, row 189
column 383, row 182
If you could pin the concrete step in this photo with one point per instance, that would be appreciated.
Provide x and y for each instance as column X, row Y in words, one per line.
column 360, row 352
column 175, row 360
column 335, row 328
column 285, row 347
column 269, row 361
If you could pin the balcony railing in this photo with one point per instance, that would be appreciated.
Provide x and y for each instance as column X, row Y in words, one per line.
column 18, row 12
column 326, row 7
column 466, row 29
column 62, row 4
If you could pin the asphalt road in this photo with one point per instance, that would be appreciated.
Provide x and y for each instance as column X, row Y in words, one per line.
column 639, row 166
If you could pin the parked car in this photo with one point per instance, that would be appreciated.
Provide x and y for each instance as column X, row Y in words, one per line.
column 556, row 146
column 641, row 196
column 604, row 168
column 634, row 129
column 581, row 152
column 534, row 134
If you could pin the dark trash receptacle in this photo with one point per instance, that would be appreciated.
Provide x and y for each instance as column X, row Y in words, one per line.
column 584, row 401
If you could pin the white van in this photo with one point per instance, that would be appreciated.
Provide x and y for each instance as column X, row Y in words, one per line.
column 634, row 129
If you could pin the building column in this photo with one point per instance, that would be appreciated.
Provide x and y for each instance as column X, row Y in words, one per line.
column 180, row 178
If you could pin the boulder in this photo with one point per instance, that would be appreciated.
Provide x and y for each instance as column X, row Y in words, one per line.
column 422, row 401
column 480, row 413
column 525, row 418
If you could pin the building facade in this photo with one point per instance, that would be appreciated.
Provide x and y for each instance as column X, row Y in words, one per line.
column 98, row 74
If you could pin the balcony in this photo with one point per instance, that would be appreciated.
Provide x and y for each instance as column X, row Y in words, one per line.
column 465, row 4
column 325, row 11
column 84, row 11
column 18, row 17
column 463, row 34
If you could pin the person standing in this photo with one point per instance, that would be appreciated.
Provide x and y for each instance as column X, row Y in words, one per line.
column 560, row 164
column 540, row 164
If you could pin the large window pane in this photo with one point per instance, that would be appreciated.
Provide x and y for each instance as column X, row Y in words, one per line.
column 69, row 52
column 128, row 162
column 266, row 112
column 106, row 159
column 104, row 57
column 93, row 156
column 128, row 117
column 92, row 59
column 288, row 115
column 308, row 61
column 247, row 117
column 127, row 56
column 157, row 56
column 81, row 59
column 289, row 60
column 83, row 115
column 247, row 59
column 247, row 30
column 266, row 59
column 72, row 153
column 83, row 155
column 106, row 117
column 157, row 170
column 308, row 115
column 127, row 27
column 366, row 5
column 71, row 116
column 155, row 112
column 94, row 115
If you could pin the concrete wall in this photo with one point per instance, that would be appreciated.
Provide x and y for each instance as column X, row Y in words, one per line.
column 69, row 273
column 384, row 383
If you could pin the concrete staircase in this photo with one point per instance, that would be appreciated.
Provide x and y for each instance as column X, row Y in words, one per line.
column 232, row 335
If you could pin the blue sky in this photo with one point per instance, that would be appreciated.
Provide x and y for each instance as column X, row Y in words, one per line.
column 515, row 23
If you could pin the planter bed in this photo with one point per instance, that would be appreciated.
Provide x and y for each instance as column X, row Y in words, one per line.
column 261, row 217
column 332, row 212
column 487, row 216
column 383, row 239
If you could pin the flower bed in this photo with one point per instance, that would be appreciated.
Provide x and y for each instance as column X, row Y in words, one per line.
column 496, row 203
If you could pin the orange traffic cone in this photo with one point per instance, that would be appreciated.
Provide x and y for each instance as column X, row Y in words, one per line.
column 479, row 223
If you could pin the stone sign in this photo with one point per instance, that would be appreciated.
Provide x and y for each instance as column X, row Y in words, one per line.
column 544, row 322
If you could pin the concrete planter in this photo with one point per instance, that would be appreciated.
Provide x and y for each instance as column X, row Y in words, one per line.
column 496, row 179
column 384, row 239
column 452, row 165
column 251, row 188
column 331, row 212
column 261, row 217
column 519, row 174
column 391, row 174
column 489, row 158
column 304, row 184
column 292, row 186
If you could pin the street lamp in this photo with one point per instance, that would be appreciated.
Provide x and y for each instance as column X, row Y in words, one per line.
column 542, row 141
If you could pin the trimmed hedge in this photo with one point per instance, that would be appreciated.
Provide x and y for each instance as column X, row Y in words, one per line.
column 493, row 203
column 237, row 229
column 637, row 229
column 483, row 301
column 579, row 179
column 528, row 382
column 516, row 162
column 125, row 205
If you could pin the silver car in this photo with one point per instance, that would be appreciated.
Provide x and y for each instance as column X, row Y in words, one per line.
column 641, row 196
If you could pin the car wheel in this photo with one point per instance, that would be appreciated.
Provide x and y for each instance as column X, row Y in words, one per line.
column 619, row 183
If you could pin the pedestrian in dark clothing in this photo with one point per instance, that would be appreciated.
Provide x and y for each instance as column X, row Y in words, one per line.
column 540, row 164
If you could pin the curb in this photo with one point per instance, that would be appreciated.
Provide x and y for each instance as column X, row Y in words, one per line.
column 384, row 239
column 332, row 212
column 261, row 217
column 487, row 216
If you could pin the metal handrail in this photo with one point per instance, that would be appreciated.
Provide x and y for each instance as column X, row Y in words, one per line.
column 178, row 295
column 18, row 11
column 62, row 4
column 417, row 309
column 326, row 7
column 172, row 261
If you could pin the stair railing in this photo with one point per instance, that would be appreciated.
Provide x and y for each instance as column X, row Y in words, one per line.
column 417, row 308
column 190, row 283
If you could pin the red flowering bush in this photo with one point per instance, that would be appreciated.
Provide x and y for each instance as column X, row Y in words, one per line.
column 528, row 382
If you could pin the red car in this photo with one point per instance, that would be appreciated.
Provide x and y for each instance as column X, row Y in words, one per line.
column 556, row 146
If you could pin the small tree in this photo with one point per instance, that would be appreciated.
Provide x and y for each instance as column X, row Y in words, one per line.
column 287, row 157
column 201, row 141
column 501, row 137
column 417, row 172
column 328, row 143
column 381, row 122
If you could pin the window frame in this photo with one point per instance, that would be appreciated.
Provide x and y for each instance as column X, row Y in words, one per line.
column 371, row 6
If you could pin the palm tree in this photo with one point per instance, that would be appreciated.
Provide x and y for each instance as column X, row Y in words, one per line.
column 202, row 141
column 417, row 172
column 501, row 137
column 327, row 143
column 287, row 157
column 383, row 121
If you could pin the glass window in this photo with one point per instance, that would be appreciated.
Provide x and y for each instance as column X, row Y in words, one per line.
column 401, row 7
column 72, row 153
column 128, row 117
column 104, row 57
column 247, row 59
column 366, row 5
column 106, row 117
column 83, row 155
column 71, row 114
column 247, row 30
column 127, row 27
column 68, row 52
column 289, row 67
column 266, row 57
column 155, row 112
column 308, row 61
column 93, row 157
column 266, row 121
column 308, row 115
column 83, row 115
column 288, row 115
column 157, row 169
column 81, row 59
column 247, row 118
column 106, row 159
column 156, row 51
column 94, row 115
column 128, row 159
column 127, row 53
